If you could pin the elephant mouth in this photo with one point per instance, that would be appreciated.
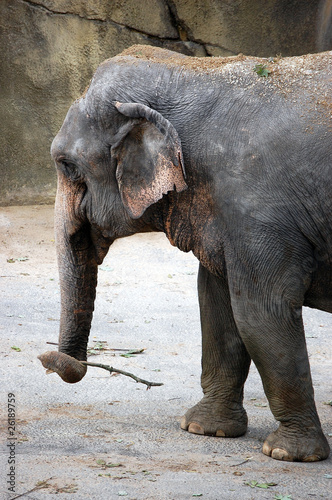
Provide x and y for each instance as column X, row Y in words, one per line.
column 102, row 240
column 71, row 370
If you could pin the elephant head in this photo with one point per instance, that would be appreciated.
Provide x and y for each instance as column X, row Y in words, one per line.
column 114, row 160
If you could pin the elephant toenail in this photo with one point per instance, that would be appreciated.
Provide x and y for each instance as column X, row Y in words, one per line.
column 220, row 433
column 280, row 454
column 267, row 449
column 311, row 458
column 183, row 423
column 195, row 428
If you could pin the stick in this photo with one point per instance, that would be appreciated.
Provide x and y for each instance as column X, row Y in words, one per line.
column 132, row 351
column 241, row 463
column 116, row 370
column 42, row 484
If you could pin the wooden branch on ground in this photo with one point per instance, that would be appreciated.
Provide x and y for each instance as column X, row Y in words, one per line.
column 39, row 486
column 127, row 374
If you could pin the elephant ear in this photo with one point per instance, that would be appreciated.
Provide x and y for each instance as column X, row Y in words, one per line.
column 149, row 158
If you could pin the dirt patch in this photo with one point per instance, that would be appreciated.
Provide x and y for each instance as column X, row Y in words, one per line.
column 305, row 81
column 288, row 69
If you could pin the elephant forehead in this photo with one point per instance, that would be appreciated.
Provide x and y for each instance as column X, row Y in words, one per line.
column 78, row 135
column 77, row 146
column 67, row 144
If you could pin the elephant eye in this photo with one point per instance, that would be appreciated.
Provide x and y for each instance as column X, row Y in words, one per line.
column 70, row 170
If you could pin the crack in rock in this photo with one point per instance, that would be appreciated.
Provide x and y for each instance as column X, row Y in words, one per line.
column 184, row 36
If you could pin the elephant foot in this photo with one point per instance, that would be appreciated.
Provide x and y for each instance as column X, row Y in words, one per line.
column 209, row 419
column 295, row 446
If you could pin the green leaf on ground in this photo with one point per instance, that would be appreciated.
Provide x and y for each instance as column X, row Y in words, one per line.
column 98, row 347
column 19, row 259
column 256, row 484
column 261, row 70
column 15, row 348
column 132, row 353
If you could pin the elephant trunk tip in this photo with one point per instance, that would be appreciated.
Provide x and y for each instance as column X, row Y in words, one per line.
column 71, row 370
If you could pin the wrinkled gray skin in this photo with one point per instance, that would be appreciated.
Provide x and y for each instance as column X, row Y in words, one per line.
column 237, row 169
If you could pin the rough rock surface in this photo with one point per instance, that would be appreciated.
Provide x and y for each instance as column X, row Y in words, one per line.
column 51, row 48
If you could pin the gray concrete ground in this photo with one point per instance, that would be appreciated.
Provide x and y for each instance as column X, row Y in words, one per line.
column 108, row 437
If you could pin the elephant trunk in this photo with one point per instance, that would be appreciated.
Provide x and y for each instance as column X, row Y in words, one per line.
column 70, row 369
column 77, row 261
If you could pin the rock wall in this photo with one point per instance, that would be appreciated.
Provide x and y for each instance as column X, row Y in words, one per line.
column 50, row 49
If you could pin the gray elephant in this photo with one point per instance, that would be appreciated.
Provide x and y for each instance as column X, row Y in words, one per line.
column 233, row 166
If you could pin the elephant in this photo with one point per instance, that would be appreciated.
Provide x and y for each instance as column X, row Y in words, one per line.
column 230, row 158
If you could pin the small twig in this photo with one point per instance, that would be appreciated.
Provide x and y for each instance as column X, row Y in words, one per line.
column 132, row 351
column 127, row 374
column 39, row 486
column 241, row 463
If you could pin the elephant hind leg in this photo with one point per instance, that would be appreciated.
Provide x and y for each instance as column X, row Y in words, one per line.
column 269, row 319
column 225, row 364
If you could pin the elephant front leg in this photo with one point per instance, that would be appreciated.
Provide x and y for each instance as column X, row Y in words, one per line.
column 225, row 364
